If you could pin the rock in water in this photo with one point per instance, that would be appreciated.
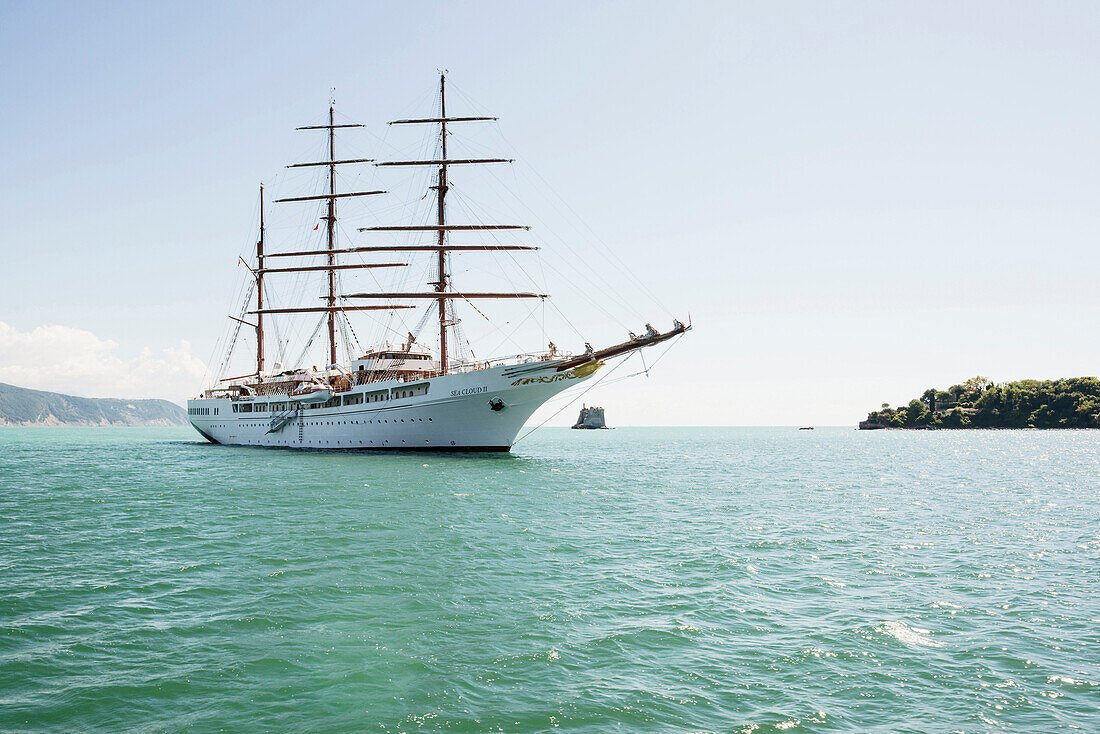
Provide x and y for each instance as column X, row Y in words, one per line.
column 590, row 418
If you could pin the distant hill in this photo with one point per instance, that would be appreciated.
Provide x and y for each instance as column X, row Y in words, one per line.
column 22, row 407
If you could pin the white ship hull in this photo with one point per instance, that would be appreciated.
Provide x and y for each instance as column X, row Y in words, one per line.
column 482, row 410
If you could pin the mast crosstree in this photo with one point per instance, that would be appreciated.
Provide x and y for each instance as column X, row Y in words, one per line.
column 403, row 248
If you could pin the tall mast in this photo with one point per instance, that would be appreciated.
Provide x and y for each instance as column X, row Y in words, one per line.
column 330, row 230
column 260, row 291
column 331, row 220
column 441, row 292
column 441, row 193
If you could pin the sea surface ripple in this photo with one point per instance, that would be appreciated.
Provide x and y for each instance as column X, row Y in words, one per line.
column 634, row 580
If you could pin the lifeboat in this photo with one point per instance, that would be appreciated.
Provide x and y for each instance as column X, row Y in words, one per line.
column 310, row 392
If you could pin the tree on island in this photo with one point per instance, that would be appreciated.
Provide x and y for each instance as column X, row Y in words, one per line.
column 917, row 414
column 977, row 385
column 929, row 398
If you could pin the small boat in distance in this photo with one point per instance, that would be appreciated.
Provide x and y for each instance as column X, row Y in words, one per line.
column 407, row 397
column 806, row 428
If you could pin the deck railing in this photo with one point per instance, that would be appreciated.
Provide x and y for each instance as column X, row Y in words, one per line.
column 344, row 382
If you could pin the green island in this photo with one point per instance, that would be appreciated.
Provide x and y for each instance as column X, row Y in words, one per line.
column 1072, row 402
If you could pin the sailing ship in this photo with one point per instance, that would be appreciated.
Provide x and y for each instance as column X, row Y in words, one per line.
column 405, row 397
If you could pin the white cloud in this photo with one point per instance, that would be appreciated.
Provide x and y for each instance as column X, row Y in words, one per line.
column 77, row 362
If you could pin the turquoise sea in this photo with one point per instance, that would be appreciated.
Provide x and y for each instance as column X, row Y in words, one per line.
column 633, row 580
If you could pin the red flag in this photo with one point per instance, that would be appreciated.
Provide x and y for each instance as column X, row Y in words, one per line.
column 316, row 226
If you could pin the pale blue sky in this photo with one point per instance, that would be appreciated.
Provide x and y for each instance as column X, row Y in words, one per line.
column 855, row 201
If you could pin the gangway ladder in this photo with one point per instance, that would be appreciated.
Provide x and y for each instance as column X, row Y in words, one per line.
column 280, row 420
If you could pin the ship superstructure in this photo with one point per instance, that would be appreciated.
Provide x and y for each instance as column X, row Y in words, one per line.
column 390, row 397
